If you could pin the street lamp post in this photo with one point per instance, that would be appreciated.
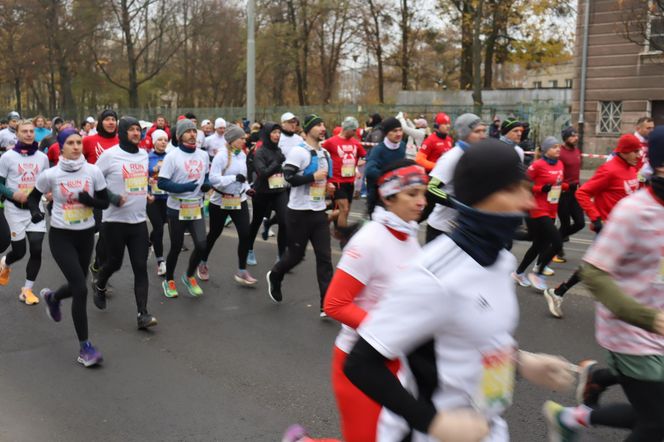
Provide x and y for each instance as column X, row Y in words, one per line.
column 251, row 61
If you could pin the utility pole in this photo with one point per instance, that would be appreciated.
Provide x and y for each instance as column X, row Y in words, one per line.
column 251, row 61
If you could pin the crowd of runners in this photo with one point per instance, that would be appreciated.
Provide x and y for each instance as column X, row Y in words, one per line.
column 426, row 350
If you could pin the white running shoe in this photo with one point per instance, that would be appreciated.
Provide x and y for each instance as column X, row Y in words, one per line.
column 161, row 268
column 548, row 271
column 521, row 279
column 555, row 302
column 538, row 281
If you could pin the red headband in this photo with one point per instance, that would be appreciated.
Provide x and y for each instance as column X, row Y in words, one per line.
column 397, row 180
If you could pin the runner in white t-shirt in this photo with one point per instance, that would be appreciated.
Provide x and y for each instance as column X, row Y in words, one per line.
column 215, row 142
column 289, row 133
column 76, row 187
column 307, row 169
column 125, row 168
column 19, row 169
column 451, row 318
column 184, row 176
column 371, row 261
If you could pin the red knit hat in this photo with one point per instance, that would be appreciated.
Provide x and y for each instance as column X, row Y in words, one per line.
column 442, row 118
column 628, row 143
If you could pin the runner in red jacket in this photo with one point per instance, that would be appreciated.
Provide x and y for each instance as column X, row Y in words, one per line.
column 105, row 138
column 436, row 144
column 547, row 177
column 613, row 181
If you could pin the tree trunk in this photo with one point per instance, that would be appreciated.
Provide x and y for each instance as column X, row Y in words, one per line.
column 132, row 62
column 378, row 49
column 467, row 39
column 405, row 31
column 17, row 92
column 477, row 58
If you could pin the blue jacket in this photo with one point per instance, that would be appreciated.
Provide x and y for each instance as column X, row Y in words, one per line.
column 379, row 157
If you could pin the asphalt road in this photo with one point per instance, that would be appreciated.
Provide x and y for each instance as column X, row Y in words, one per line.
column 230, row 366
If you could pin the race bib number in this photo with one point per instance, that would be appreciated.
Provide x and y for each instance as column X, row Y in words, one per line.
column 155, row 189
column 26, row 188
column 190, row 209
column 76, row 213
column 136, row 184
column 276, row 181
column 554, row 195
column 497, row 384
column 317, row 191
column 230, row 202
column 348, row 168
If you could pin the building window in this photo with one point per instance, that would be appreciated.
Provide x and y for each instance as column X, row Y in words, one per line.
column 553, row 83
column 569, row 83
column 537, row 84
column 610, row 115
column 655, row 28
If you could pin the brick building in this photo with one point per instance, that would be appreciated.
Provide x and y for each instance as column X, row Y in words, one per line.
column 625, row 79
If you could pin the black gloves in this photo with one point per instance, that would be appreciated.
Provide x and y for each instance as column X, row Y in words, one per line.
column 86, row 199
column 597, row 225
column 546, row 188
column 205, row 187
column 37, row 217
column 240, row 178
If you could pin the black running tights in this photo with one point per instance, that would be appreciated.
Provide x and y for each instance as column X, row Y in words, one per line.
column 240, row 221
column 158, row 217
column 35, row 239
column 176, row 229
column 72, row 250
column 262, row 203
column 135, row 238
column 547, row 242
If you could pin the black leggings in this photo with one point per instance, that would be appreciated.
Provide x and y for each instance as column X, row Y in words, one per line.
column 5, row 233
column 569, row 209
column 72, row 250
column 305, row 226
column 158, row 217
column 547, row 243
column 644, row 415
column 262, row 204
column 101, row 253
column 18, row 252
column 135, row 238
column 240, row 221
column 176, row 230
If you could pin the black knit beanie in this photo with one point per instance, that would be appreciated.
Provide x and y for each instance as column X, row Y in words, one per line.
column 389, row 124
column 100, row 123
column 310, row 121
column 508, row 125
column 485, row 168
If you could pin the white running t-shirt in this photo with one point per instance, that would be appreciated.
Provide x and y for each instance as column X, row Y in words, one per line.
column 184, row 167
column 286, row 143
column 375, row 257
column 214, row 143
column 441, row 218
column 223, row 177
column 310, row 196
column 21, row 172
column 127, row 175
column 67, row 212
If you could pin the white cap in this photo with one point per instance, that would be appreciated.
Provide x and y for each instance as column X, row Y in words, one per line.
column 206, row 122
column 90, row 120
column 219, row 122
column 287, row 116
column 158, row 134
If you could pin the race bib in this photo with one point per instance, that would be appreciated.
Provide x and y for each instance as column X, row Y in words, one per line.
column 317, row 191
column 276, row 181
column 136, row 184
column 155, row 189
column 26, row 188
column 76, row 213
column 497, row 384
column 190, row 209
column 230, row 202
column 554, row 195
column 348, row 168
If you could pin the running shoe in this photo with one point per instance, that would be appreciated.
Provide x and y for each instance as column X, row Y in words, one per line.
column 521, row 279
column 555, row 302
column 228, row 221
column 161, row 268
column 28, row 297
column 243, row 277
column 588, row 391
column 94, row 271
column 52, row 306
column 89, row 356
column 559, row 259
column 203, row 272
column 170, row 290
column 294, row 433
column 273, row 288
column 557, row 430
column 4, row 271
column 323, row 315
column 548, row 271
column 145, row 320
column 99, row 297
column 251, row 258
column 266, row 229
column 192, row 286
column 271, row 233
column 538, row 281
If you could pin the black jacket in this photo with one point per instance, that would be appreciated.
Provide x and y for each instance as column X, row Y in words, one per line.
column 268, row 160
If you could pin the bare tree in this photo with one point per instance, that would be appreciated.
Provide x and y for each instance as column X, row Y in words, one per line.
column 643, row 23
column 373, row 25
column 334, row 32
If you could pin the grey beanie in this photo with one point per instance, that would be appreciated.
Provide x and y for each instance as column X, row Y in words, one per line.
column 464, row 125
column 350, row 123
column 183, row 126
column 233, row 132
column 548, row 143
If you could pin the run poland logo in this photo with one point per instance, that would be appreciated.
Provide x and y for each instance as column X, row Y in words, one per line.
column 28, row 172
column 194, row 169
column 135, row 177
column 71, row 188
